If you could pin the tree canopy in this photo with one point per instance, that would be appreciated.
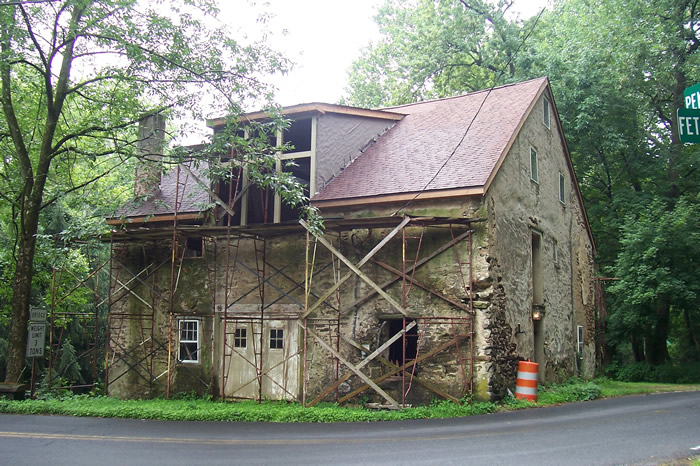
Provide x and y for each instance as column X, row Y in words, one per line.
column 76, row 77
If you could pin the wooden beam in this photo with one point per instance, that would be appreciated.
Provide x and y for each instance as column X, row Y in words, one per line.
column 364, row 260
column 403, row 367
column 434, row 254
column 417, row 379
column 359, row 373
column 357, row 271
column 153, row 218
column 364, row 362
column 388, row 198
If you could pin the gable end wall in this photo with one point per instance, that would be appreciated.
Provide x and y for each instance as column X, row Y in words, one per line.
column 517, row 207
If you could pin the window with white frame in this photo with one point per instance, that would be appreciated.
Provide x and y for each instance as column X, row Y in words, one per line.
column 545, row 111
column 533, row 165
column 562, row 188
column 189, row 341
column 579, row 339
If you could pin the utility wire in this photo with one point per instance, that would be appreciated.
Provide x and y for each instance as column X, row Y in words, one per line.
column 464, row 136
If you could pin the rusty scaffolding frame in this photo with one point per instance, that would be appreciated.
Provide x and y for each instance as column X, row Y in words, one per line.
column 140, row 358
column 60, row 318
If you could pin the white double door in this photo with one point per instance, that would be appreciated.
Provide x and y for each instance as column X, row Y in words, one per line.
column 262, row 360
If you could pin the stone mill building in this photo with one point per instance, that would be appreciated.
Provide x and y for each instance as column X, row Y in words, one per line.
column 455, row 244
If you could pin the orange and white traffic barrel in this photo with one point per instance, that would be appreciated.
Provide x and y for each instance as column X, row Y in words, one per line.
column 526, row 385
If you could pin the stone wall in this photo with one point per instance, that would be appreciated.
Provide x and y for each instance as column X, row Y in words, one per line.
column 519, row 208
column 139, row 322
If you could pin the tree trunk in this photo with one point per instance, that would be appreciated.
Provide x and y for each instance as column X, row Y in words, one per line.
column 658, row 351
column 637, row 348
column 21, row 297
column 693, row 340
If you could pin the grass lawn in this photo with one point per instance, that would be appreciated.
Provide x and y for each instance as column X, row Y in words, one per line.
column 208, row 410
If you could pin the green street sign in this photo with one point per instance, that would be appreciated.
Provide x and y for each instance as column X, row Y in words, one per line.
column 689, row 125
column 692, row 97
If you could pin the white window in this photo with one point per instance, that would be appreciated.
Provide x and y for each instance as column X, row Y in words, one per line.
column 579, row 339
column 562, row 188
column 276, row 338
column 533, row 165
column 189, row 341
column 545, row 112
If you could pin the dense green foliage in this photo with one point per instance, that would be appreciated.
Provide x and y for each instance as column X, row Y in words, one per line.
column 76, row 77
column 688, row 373
column 618, row 69
column 193, row 409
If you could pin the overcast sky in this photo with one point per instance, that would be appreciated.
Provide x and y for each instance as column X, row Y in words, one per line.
column 322, row 37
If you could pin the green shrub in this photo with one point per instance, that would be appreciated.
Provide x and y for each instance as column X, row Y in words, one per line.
column 569, row 391
column 667, row 373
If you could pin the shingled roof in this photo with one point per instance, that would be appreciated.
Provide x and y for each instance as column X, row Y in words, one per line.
column 192, row 196
column 428, row 149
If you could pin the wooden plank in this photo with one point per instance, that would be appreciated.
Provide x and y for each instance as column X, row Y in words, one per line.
column 434, row 254
column 357, row 271
column 359, row 373
column 403, row 367
column 364, row 362
column 362, row 262
column 416, row 379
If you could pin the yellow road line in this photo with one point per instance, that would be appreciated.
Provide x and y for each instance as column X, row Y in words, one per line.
column 192, row 441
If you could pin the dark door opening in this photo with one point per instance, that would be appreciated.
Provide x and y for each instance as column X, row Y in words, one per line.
column 396, row 350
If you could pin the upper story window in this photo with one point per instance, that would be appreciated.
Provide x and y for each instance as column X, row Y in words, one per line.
column 533, row 165
column 546, row 111
column 262, row 205
column 276, row 338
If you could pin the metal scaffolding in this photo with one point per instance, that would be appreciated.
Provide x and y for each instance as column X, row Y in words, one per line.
column 62, row 315
column 306, row 303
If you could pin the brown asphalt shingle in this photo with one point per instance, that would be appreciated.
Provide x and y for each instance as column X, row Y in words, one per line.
column 193, row 200
column 408, row 156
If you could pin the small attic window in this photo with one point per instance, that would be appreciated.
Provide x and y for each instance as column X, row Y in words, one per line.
column 545, row 112
column 533, row 165
column 562, row 188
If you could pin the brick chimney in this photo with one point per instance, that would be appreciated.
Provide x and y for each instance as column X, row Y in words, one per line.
column 150, row 147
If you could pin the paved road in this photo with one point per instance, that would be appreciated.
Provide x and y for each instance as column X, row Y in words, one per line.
column 637, row 430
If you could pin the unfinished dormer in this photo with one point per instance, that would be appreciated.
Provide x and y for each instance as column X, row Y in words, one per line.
column 323, row 139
